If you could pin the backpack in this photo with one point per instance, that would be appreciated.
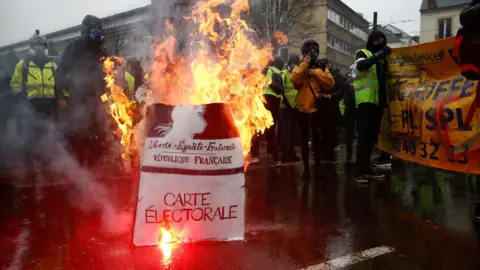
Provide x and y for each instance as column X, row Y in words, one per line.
column 277, row 85
column 466, row 51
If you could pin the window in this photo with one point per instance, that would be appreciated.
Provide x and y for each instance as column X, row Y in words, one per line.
column 444, row 28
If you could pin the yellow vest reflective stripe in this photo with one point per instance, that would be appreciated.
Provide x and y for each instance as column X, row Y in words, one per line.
column 266, row 89
column 341, row 106
column 366, row 83
column 290, row 91
column 38, row 83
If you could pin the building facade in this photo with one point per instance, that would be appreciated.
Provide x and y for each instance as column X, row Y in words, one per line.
column 440, row 18
column 126, row 35
column 396, row 37
column 346, row 32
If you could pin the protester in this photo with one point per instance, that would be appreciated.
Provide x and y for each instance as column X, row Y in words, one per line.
column 81, row 73
column 289, row 113
column 370, row 83
column 312, row 83
column 33, row 84
column 329, row 106
column 350, row 119
column 273, row 97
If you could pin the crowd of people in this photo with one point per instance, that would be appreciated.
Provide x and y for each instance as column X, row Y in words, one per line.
column 306, row 96
column 64, row 99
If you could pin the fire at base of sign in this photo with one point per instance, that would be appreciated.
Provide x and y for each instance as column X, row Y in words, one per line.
column 190, row 201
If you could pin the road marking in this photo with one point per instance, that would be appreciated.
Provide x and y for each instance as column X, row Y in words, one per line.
column 353, row 258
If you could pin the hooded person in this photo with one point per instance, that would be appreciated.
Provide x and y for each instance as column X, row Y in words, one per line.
column 33, row 85
column 312, row 83
column 370, row 84
column 80, row 74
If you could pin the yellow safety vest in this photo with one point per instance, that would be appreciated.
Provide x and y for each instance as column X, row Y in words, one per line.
column 38, row 83
column 130, row 91
column 266, row 89
column 366, row 83
column 290, row 91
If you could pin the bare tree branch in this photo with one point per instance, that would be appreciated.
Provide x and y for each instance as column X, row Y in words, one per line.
column 296, row 18
column 116, row 43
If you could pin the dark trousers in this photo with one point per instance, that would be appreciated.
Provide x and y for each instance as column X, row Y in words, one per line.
column 329, row 135
column 289, row 123
column 309, row 122
column 369, row 120
column 273, row 105
column 36, row 129
column 350, row 124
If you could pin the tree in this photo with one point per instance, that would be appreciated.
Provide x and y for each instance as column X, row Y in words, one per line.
column 296, row 18
column 116, row 43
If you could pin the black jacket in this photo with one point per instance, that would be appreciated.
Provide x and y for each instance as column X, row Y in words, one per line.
column 80, row 72
column 380, row 60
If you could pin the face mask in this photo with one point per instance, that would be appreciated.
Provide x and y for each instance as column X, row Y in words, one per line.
column 96, row 34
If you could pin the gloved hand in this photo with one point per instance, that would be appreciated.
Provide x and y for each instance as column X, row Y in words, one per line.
column 383, row 53
column 387, row 50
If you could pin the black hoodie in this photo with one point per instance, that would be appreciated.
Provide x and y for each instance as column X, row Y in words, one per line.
column 381, row 63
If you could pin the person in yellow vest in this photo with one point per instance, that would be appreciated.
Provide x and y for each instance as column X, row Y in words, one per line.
column 273, row 96
column 289, row 114
column 313, row 83
column 33, row 84
column 370, row 84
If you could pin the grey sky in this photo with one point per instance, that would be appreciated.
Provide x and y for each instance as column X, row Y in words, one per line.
column 404, row 14
column 20, row 18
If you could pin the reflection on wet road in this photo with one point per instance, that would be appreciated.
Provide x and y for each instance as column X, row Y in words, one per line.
column 418, row 218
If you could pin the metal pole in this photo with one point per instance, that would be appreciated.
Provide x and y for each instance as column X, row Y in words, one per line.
column 375, row 21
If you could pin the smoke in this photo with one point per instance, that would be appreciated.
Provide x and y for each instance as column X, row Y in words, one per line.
column 35, row 135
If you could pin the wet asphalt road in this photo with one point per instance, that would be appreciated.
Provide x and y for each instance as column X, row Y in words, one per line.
column 417, row 218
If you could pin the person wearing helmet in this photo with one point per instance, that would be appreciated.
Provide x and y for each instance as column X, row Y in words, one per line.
column 288, row 111
column 33, row 84
column 313, row 84
column 80, row 72
column 273, row 92
column 370, row 84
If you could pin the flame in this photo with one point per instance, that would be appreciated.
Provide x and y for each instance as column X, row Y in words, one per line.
column 120, row 106
column 167, row 244
column 219, row 64
column 280, row 37
column 222, row 64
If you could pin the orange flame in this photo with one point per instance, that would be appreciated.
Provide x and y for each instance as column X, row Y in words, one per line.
column 120, row 106
column 280, row 37
column 166, row 244
column 222, row 65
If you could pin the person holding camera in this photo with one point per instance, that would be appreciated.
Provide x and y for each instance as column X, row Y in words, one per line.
column 370, row 84
column 313, row 84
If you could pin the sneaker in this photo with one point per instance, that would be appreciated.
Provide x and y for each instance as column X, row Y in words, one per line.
column 375, row 175
column 361, row 179
column 382, row 163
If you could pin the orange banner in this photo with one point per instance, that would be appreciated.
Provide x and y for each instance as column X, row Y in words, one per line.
column 432, row 117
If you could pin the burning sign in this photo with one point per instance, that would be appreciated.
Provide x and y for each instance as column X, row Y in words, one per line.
column 220, row 63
